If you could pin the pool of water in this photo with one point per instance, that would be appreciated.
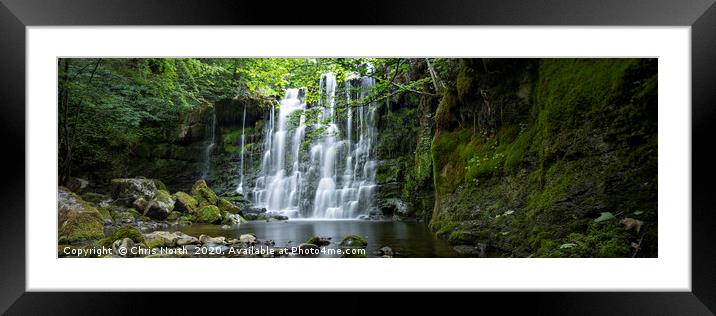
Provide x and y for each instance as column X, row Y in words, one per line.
column 406, row 239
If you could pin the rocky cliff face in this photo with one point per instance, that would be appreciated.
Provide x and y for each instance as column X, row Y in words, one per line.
column 548, row 157
column 225, row 170
column 177, row 154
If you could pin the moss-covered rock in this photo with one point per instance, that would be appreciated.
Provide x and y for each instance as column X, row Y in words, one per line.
column 228, row 218
column 123, row 232
column 124, row 216
column 160, row 207
column 208, row 214
column 354, row 241
column 160, row 185
column 203, row 194
column 185, row 203
column 555, row 143
column 104, row 212
column 318, row 241
column 173, row 216
column 126, row 191
column 78, row 220
column 186, row 219
column 95, row 198
column 161, row 239
column 226, row 206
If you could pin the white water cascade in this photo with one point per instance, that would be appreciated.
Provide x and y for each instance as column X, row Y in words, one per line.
column 336, row 177
column 211, row 132
column 240, row 188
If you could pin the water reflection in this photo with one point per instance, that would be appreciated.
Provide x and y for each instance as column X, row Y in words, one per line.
column 407, row 239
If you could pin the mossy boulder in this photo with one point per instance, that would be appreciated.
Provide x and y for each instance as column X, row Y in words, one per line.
column 161, row 239
column 160, row 185
column 228, row 218
column 126, row 191
column 186, row 219
column 173, row 216
column 227, row 206
column 125, row 216
column 354, row 241
column 318, row 241
column 104, row 212
column 160, row 207
column 203, row 194
column 123, row 232
column 95, row 198
column 185, row 203
column 208, row 214
column 78, row 220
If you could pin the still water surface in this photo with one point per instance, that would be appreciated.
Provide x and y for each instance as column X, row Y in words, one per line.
column 406, row 239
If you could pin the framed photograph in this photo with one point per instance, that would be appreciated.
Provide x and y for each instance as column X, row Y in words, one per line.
column 482, row 147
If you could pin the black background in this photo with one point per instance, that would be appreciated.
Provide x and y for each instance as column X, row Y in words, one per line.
column 16, row 14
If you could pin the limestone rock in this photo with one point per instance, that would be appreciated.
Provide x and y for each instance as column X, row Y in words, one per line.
column 78, row 219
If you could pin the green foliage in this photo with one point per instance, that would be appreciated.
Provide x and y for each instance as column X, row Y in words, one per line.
column 536, row 185
column 107, row 106
column 571, row 89
column 604, row 217
column 603, row 241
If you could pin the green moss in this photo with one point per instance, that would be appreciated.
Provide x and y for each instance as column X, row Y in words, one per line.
column 228, row 219
column 185, row 203
column 389, row 171
column 354, row 241
column 516, row 153
column 186, row 219
column 104, row 212
column 226, row 206
column 589, row 144
column 208, row 214
column 444, row 115
column 445, row 228
column 318, row 241
column 448, row 167
column 458, row 237
column 203, row 194
column 154, row 243
column 123, row 232
column 82, row 222
column 600, row 240
column 465, row 83
column 173, row 216
column 160, row 185
column 162, row 196
column 232, row 140
column 568, row 90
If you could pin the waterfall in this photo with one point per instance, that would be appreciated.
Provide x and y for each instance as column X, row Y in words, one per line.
column 277, row 187
column 336, row 177
column 240, row 188
column 211, row 131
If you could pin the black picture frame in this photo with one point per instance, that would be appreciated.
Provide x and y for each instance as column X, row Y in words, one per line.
column 15, row 15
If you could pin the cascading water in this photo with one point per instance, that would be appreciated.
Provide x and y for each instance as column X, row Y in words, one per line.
column 337, row 177
column 240, row 188
column 211, row 132
column 278, row 187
